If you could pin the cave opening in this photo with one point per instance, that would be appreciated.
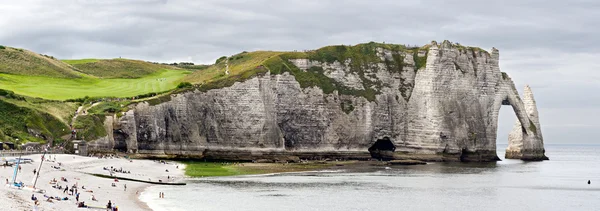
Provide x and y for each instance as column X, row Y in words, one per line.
column 383, row 149
column 120, row 139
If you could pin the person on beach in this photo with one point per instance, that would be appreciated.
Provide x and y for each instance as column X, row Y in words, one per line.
column 77, row 197
column 109, row 205
column 125, row 187
column 66, row 189
column 35, row 205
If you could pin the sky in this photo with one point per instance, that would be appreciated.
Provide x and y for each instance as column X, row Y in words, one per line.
column 551, row 45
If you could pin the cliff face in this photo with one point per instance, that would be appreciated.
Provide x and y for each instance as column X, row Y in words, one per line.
column 447, row 110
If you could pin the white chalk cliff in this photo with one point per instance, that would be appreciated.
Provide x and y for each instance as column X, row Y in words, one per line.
column 523, row 145
column 446, row 110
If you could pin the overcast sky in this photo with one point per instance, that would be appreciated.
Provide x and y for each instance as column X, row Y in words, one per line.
column 554, row 46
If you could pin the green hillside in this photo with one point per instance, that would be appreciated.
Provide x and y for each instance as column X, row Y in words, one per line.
column 241, row 67
column 24, row 119
column 35, row 75
column 64, row 88
column 117, row 68
column 31, row 85
column 24, row 62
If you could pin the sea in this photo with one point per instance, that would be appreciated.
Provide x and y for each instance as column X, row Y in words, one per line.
column 558, row 184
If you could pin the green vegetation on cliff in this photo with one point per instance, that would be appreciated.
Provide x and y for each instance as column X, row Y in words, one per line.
column 90, row 127
column 21, row 124
column 358, row 58
column 241, row 67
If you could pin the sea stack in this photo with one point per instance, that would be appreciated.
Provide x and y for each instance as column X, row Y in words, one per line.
column 525, row 140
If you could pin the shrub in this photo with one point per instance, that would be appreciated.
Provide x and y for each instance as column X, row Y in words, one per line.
column 219, row 60
column 504, row 76
column 347, row 106
column 2, row 47
column 184, row 85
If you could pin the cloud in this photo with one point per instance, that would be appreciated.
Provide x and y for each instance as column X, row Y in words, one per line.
column 551, row 45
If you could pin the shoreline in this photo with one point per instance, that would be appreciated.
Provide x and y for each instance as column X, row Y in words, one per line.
column 136, row 197
column 140, row 190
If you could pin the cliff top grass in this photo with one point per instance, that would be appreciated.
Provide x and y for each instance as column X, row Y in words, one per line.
column 117, row 68
column 239, row 65
column 249, row 64
column 23, row 62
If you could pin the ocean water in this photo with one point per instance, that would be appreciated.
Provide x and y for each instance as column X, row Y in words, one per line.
column 557, row 184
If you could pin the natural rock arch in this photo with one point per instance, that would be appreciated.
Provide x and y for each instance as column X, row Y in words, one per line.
column 525, row 141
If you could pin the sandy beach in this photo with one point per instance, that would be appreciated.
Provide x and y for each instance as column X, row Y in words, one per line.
column 77, row 170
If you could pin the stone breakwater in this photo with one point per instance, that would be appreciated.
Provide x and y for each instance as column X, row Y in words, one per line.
column 444, row 111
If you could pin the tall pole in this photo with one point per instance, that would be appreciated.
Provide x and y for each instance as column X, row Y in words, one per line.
column 39, row 169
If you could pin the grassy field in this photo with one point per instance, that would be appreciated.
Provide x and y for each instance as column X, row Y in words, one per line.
column 213, row 169
column 71, row 88
column 79, row 61
column 117, row 68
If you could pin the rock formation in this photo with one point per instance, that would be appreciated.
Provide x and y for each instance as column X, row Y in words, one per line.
column 524, row 145
column 444, row 111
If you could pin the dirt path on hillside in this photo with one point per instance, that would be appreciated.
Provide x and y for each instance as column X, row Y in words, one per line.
column 81, row 112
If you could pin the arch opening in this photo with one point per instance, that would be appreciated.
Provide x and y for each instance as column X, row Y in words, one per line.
column 383, row 149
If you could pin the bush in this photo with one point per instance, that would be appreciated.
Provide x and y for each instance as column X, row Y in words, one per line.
column 184, row 85
column 109, row 107
column 2, row 47
column 219, row 60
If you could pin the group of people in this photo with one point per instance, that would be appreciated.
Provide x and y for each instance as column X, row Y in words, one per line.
column 111, row 206
column 72, row 191
column 120, row 170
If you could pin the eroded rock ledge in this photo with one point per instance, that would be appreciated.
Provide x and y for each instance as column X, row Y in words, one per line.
column 446, row 111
